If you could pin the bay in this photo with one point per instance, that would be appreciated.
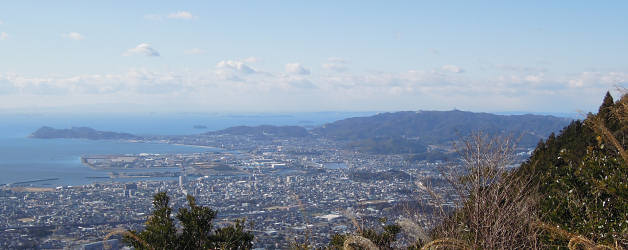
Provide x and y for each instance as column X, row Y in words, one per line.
column 24, row 159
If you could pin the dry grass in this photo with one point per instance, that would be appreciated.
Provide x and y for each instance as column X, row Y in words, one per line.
column 123, row 232
column 575, row 241
column 445, row 243
column 498, row 208
column 360, row 241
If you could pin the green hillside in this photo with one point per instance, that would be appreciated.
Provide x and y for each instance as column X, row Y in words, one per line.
column 582, row 176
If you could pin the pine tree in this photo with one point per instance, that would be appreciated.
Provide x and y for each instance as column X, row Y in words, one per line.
column 607, row 104
column 197, row 230
column 197, row 225
column 160, row 231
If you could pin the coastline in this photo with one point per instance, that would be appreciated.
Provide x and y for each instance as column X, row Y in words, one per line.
column 26, row 159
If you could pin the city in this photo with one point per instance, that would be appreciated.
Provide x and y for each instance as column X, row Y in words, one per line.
column 288, row 192
column 304, row 125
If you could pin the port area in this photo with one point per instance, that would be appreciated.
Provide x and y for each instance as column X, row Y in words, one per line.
column 146, row 165
column 100, row 162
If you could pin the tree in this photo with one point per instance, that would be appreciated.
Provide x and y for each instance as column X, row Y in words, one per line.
column 582, row 178
column 607, row 105
column 160, row 231
column 197, row 225
column 197, row 230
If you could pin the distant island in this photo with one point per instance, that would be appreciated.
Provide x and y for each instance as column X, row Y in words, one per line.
column 80, row 133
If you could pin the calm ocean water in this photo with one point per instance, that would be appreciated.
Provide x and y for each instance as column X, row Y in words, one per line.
column 25, row 159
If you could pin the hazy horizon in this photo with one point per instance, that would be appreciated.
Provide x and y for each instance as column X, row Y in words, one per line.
column 57, row 113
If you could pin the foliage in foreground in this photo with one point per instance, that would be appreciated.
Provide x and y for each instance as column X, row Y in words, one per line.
column 382, row 239
column 497, row 212
column 197, row 230
column 583, row 177
column 571, row 193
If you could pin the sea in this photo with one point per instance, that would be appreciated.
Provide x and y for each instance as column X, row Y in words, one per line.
column 33, row 162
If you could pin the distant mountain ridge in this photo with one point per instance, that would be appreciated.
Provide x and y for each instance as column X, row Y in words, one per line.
column 405, row 132
column 438, row 127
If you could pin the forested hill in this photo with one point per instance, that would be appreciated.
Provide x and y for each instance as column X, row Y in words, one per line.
column 442, row 127
column 582, row 176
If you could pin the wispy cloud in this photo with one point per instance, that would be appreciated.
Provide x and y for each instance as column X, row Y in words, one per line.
column 452, row 69
column 74, row 36
column 144, row 49
column 296, row 68
column 251, row 59
column 336, row 64
column 181, row 15
column 237, row 66
column 237, row 79
column 597, row 79
column 3, row 35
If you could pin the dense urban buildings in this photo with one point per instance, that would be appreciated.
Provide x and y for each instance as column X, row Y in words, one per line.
column 288, row 190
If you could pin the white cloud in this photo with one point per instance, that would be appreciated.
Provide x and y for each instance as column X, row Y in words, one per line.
column 452, row 69
column 336, row 64
column 233, row 83
column 534, row 78
column 251, row 59
column 194, row 51
column 74, row 36
column 3, row 35
column 296, row 68
column 237, row 66
column 142, row 49
column 593, row 79
column 181, row 15
column 1, row 22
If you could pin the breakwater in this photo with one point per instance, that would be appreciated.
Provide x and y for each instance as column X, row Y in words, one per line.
column 33, row 181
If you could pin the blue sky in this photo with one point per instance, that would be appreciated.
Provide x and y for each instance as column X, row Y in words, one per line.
column 269, row 56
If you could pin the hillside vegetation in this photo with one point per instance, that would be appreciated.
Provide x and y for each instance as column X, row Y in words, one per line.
column 571, row 194
column 582, row 176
